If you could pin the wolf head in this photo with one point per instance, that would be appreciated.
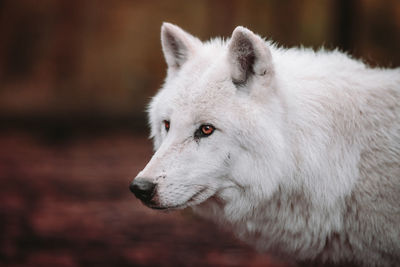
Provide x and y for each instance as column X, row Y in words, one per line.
column 215, row 122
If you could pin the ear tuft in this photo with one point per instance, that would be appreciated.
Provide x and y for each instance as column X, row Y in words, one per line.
column 177, row 45
column 248, row 56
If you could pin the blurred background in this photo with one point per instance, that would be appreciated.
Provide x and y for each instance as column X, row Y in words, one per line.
column 75, row 78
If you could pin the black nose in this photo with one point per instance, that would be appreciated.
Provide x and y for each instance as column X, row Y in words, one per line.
column 143, row 189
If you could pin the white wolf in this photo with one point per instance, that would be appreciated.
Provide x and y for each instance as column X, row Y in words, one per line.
column 297, row 151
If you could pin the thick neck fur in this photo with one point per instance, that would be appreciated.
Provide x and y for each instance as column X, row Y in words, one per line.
column 329, row 182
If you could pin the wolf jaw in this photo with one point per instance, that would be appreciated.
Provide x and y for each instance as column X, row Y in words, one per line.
column 305, row 158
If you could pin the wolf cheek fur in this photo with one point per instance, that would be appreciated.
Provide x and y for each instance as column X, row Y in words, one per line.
column 304, row 156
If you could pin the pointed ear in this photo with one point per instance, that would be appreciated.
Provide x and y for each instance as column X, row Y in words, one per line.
column 177, row 45
column 248, row 56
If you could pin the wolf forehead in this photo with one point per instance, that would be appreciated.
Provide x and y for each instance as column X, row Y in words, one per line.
column 205, row 72
column 196, row 88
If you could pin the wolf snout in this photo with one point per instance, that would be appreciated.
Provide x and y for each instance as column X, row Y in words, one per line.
column 143, row 189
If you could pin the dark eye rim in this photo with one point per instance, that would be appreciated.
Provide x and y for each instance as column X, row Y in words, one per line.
column 200, row 133
column 167, row 125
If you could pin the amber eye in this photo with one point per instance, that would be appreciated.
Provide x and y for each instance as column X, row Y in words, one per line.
column 166, row 125
column 204, row 130
column 207, row 129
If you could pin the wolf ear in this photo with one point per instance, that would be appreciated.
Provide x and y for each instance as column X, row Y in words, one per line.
column 248, row 56
column 177, row 45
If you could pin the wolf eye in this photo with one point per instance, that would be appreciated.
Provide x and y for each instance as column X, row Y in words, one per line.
column 166, row 125
column 207, row 129
column 204, row 130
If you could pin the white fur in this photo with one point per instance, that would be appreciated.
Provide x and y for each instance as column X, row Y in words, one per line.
column 305, row 158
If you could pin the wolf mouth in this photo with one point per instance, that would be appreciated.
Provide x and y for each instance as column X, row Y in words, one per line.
column 193, row 200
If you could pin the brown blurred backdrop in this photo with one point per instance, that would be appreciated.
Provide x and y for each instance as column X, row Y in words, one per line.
column 75, row 77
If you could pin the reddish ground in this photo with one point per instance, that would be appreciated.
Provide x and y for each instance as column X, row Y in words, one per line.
column 69, row 205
